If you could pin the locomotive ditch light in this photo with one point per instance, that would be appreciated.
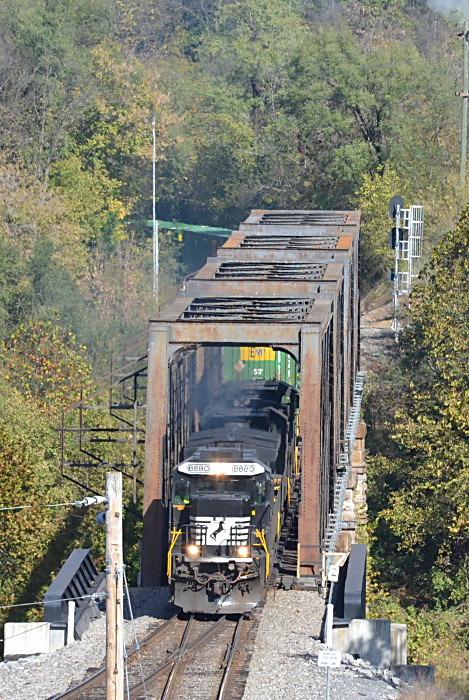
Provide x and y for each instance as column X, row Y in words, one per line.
column 192, row 550
column 243, row 551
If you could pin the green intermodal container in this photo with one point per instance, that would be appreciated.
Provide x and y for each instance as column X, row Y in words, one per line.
column 243, row 363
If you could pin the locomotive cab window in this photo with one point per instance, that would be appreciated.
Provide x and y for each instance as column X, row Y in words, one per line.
column 252, row 489
column 182, row 492
column 220, row 485
column 259, row 491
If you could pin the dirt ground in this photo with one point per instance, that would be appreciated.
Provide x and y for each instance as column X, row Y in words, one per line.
column 377, row 336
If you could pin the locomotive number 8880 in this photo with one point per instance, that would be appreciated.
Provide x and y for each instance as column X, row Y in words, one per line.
column 228, row 497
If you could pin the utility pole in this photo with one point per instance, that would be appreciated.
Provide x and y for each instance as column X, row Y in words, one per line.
column 114, row 588
column 465, row 96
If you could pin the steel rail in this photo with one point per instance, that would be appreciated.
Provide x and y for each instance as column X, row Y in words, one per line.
column 229, row 659
column 176, row 657
column 180, row 655
column 89, row 682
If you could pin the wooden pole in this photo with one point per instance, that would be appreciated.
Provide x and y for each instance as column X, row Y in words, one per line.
column 114, row 587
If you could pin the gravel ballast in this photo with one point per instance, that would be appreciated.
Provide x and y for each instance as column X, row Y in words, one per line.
column 284, row 661
column 45, row 675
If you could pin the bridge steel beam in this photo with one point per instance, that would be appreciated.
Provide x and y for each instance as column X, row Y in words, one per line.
column 296, row 317
column 154, row 521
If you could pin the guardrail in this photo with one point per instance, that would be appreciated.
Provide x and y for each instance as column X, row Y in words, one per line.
column 78, row 579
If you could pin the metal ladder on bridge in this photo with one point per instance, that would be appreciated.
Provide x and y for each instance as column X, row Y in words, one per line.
column 344, row 465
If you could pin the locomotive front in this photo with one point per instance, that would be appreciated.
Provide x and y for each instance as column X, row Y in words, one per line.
column 218, row 558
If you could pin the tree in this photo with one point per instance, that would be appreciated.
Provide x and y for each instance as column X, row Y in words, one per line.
column 16, row 293
column 45, row 363
column 46, row 57
column 358, row 111
column 424, row 510
column 26, row 438
column 373, row 201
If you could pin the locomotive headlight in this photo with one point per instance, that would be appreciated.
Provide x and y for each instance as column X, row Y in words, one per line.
column 243, row 551
column 192, row 550
column 218, row 469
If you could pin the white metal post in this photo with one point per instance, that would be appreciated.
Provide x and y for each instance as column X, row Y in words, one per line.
column 396, row 273
column 410, row 245
column 329, row 623
column 156, row 256
column 465, row 98
column 71, row 622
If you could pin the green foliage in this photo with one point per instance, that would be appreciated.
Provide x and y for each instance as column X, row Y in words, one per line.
column 433, row 430
column 16, row 293
column 47, row 47
column 376, row 15
column 373, row 201
column 93, row 206
column 115, row 131
column 251, row 47
column 276, row 113
column 419, row 474
column 433, row 637
column 27, row 442
column 44, row 362
column 256, row 104
column 418, row 479
column 356, row 109
column 35, row 542
column 29, row 211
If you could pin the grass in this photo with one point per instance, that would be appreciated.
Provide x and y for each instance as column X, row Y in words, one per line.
column 422, row 691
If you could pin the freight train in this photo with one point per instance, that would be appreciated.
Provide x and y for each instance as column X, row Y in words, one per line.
column 228, row 497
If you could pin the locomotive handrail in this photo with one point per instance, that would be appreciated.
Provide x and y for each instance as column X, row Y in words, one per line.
column 174, row 538
column 261, row 536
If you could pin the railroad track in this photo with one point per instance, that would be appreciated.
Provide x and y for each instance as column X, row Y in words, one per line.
column 186, row 657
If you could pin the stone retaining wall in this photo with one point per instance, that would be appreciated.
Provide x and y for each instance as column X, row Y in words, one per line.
column 354, row 513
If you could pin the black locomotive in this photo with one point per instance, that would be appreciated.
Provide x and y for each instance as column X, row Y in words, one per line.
column 228, row 497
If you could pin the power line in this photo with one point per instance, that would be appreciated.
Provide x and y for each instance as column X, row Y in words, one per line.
column 18, row 634
column 94, row 596
column 85, row 502
column 137, row 645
